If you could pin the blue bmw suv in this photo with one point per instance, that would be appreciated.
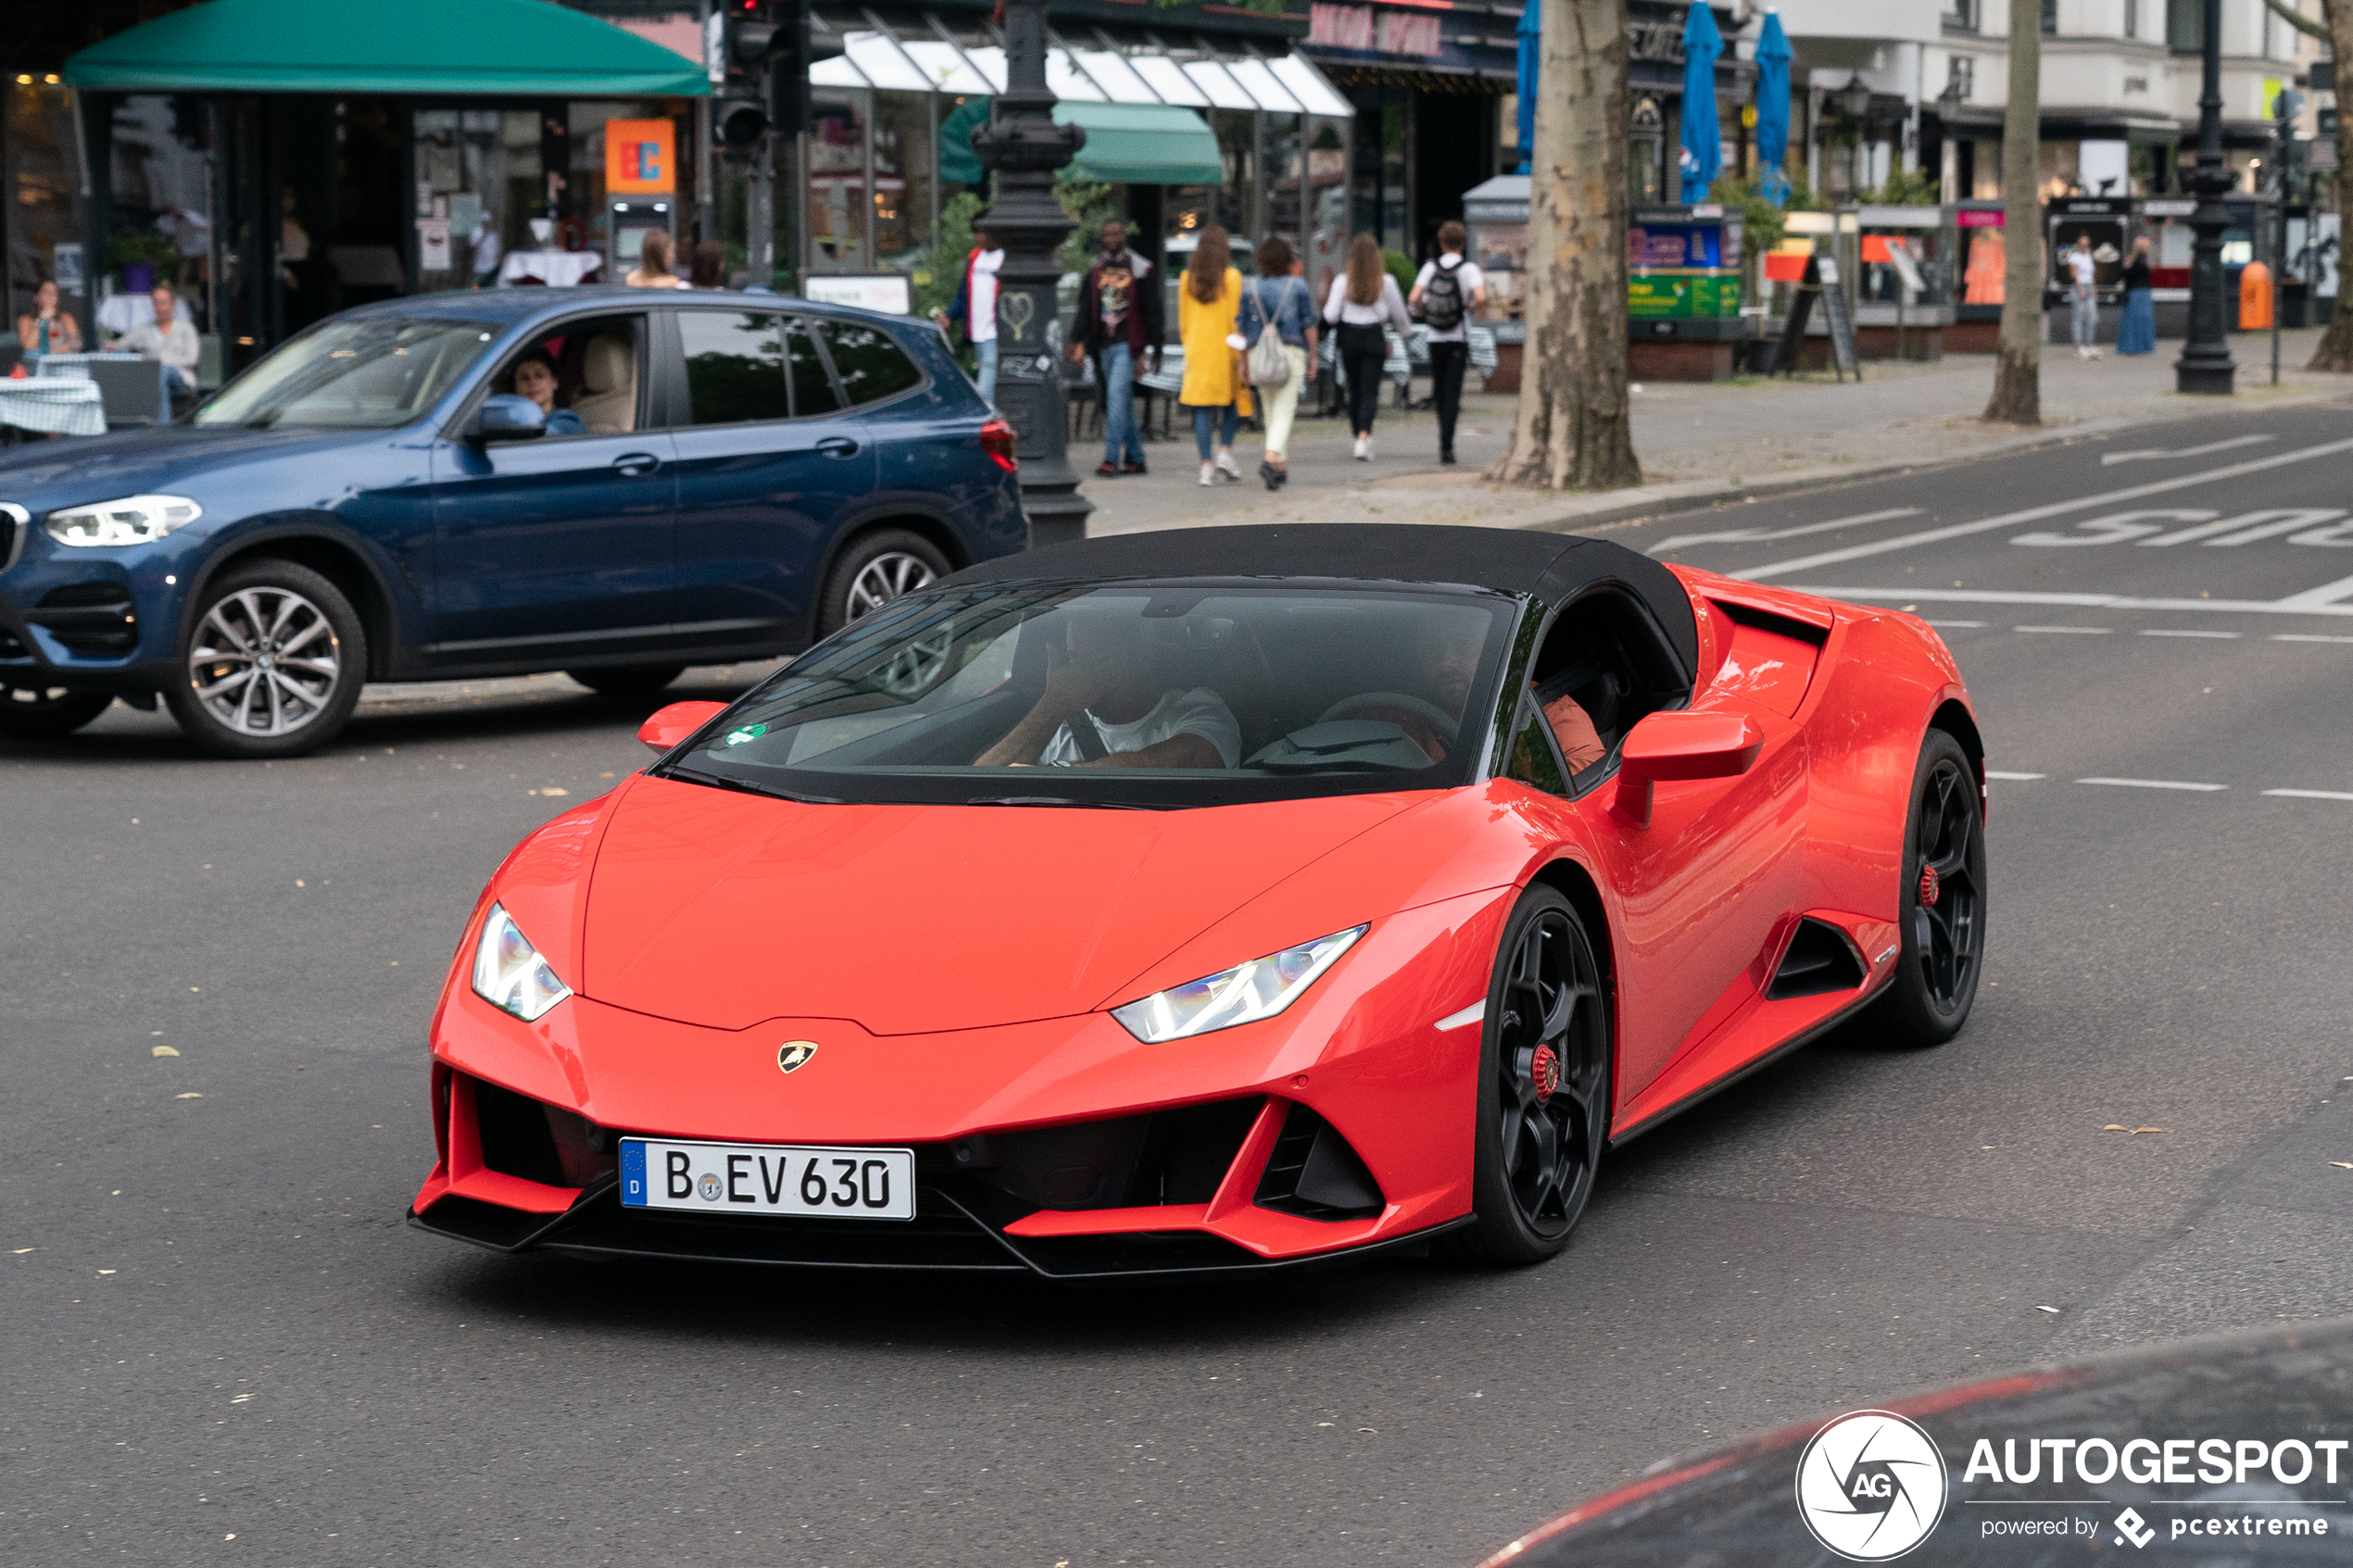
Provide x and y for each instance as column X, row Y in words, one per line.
column 612, row 483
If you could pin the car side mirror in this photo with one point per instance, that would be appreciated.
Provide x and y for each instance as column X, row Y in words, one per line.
column 672, row 724
column 509, row 416
column 1669, row 747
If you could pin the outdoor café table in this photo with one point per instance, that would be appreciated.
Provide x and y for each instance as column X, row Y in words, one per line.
column 561, row 268
column 53, row 406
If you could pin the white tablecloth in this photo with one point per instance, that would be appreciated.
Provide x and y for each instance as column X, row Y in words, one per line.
column 53, row 405
column 558, row 269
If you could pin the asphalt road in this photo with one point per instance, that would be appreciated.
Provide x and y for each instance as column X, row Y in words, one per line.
column 221, row 1344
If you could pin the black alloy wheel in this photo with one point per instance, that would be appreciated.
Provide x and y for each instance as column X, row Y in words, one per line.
column 31, row 708
column 628, row 680
column 1941, row 909
column 1543, row 1086
column 874, row 570
column 274, row 659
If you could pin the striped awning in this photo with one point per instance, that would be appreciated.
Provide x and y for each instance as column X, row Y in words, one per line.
column 1286, row 85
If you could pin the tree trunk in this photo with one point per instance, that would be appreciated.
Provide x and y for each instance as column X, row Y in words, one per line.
column 2335, row 352
column 1572, row 429
column 2018, row 373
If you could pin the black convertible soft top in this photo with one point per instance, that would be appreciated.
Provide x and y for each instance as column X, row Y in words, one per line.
column 1551, row 567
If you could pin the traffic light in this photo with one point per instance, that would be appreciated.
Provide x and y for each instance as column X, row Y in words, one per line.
column 746, row 41
column 796, row 51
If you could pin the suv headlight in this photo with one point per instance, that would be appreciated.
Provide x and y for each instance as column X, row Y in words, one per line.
column 509, row 972
column 135, row 519
column 1243, row 994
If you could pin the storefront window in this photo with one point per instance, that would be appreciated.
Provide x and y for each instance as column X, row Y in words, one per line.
column 44, row 229
column 906, row 175
column 837, row 204
column 478, row 174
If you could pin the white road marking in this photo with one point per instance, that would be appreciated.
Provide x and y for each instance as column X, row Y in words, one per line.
column 2154, row 784
column 2054, row 508
column 1470, row 1014
column 2314, row 794
column 2115, row 458
column 2170, row 633
column 2271, row 524
column 1992, row 774
column 1926, row 622
column 2307, row 637
column 2320, row 601
column 2080, row 630
column 1756, row 535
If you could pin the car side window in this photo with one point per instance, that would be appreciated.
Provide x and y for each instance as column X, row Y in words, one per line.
column 870, row 364
column 812, row 389
column 734, row 366
column 1532, row 760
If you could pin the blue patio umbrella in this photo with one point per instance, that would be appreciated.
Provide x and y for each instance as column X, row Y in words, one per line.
column 1703, row 144
column 1772, row 108
column 1531, row 28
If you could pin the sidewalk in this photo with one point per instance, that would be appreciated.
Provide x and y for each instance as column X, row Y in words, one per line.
column 1697, row 442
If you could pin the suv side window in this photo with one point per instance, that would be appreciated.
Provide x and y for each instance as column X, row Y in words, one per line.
column 812, row 389
column 870, row 364
column 734, row 366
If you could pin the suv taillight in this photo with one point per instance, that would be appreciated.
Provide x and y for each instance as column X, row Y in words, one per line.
column 997, row 439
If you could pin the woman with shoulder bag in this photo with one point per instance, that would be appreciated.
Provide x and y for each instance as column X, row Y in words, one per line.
column 1363, row 295
column 1207, row 302
column 1277, row 311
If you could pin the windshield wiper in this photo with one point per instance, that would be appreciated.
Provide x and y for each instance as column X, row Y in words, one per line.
column 744, row 786
column 1053, row 800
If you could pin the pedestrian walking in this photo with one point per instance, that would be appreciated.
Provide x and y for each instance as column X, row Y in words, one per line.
column 2136, row 333
column 2083, row 299
column 1447, row 292
column 1277, row 301
column 1363, row 297
column 1119, row 324
column 707, row 269
column 975, row 308
column 1214, row 387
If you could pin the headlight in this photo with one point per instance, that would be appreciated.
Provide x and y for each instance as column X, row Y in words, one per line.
column 1243, row 994
column 509, row 972
column 135, row 519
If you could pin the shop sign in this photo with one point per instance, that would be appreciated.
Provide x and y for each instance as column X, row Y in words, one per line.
column 432, row 246
column 1689, row 294
column 882, row 291
column 1655, row 40
column 640, row 158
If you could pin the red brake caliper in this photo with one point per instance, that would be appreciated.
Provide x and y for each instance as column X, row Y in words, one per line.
column 1929, row 888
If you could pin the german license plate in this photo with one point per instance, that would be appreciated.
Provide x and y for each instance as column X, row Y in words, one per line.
column 752, row 1178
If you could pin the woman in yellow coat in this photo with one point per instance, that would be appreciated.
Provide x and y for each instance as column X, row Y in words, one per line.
column 1215, row 384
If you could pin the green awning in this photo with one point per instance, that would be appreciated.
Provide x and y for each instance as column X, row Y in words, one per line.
column 510, row 48
column 1126, row 144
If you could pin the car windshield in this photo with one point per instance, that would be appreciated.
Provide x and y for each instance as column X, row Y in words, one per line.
column 371, row 373
column 1147, row 694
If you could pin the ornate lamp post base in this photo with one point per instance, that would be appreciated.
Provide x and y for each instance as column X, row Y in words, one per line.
column 2206, row 368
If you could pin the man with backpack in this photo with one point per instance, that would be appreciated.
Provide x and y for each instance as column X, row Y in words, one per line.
column 1447, row 292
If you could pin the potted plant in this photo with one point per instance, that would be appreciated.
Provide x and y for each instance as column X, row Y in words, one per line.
column 143, row 257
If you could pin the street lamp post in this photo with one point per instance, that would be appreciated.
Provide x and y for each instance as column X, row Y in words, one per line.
column 1025, row 146
column 2204, row 366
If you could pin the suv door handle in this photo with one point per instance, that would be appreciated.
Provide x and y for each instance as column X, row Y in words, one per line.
column 636, row 465
column 837, row 446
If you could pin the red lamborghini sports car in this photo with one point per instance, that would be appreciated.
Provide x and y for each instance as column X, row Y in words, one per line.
column 1207, row 901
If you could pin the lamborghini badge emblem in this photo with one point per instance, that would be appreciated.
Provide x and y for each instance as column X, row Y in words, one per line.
column 793, row 1055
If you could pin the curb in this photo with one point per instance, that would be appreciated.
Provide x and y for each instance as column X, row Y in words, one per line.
column 1645, row 502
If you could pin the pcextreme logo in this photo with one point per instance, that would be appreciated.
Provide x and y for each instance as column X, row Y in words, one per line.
column 1870, row 1485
